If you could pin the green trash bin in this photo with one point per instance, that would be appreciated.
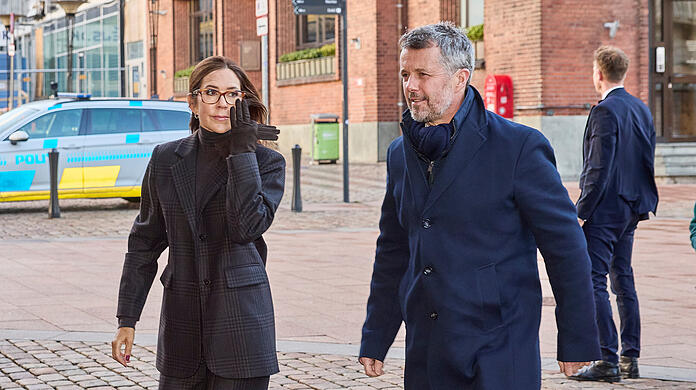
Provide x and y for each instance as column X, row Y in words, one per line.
column 325, row 135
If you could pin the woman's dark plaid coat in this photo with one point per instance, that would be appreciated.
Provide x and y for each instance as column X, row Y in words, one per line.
column 217, row 301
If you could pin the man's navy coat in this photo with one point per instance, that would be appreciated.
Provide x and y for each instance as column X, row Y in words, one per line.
column 457, row 262
column 618, row 177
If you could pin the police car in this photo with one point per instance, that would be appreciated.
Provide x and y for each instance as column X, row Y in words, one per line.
column 104, row 145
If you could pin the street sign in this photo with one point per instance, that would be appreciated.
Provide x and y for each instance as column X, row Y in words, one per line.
column 262, row 26
column 335, row 3
column 261, row 8
column 317, row 10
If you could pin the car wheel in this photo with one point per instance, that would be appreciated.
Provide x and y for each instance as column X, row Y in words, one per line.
column 134, row 200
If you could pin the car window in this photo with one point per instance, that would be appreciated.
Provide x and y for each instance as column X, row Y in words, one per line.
column 55, row 124
column 11, row 117
column 165, row 120
column 113, row 120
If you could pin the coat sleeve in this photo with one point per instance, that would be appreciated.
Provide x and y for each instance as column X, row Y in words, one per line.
column 599, row 161
column 254, row 192
column 391, row 260
column 692, row 228
column 147, row 240
column 547, row 210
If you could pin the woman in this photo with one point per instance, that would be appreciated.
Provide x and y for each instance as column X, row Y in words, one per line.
column 208, row 197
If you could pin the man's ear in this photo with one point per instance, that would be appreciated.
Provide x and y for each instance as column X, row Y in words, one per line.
column 462, row 76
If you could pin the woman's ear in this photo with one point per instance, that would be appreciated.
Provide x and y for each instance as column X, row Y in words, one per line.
column 193, row 104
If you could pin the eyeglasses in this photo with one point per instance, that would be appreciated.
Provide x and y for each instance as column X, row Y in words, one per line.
column 212, row 96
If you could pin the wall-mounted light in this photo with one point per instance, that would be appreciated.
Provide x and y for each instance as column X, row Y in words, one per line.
column 163, row 73
column 613, row 27
column 356, row 42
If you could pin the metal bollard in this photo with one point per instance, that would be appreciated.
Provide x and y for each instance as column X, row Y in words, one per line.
column 53, row 207
column 296, row 195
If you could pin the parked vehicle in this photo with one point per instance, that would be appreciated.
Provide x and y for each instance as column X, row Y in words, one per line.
column 104, row 145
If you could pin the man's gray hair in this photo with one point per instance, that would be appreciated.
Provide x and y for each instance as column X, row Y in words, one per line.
column 456, row 50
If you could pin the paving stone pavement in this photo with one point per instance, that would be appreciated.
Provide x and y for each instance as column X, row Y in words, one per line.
column 42, row 363
column 88, row 365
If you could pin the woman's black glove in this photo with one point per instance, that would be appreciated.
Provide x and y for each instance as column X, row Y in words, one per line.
column 244, row 132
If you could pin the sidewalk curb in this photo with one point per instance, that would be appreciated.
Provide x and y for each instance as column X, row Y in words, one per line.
column 289, row 346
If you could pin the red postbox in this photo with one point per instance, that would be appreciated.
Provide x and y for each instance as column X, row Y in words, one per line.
column 498, row 95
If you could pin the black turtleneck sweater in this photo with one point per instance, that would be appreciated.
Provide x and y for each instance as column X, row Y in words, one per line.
column 212, row 151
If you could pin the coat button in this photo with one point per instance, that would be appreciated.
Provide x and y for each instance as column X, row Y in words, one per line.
column 206, row 282
column 202, row 236
column 433, row 316
column 426, row 223
column 427, row 270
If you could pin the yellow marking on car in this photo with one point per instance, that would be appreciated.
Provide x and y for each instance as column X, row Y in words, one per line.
column 113, row 192
column 71, row 178
column 101, row 176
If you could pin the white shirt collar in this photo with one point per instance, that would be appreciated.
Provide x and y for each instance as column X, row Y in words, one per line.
column 604, row 95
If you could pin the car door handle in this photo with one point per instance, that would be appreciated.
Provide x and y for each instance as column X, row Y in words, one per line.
column 71, row 147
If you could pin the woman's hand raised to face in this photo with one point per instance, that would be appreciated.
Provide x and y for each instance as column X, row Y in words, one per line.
column 124, row 338
column 244, row 132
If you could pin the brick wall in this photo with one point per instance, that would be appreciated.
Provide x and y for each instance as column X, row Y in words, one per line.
column 570, row 34
column 512, row 35
column 294, row 104
column 239, row 24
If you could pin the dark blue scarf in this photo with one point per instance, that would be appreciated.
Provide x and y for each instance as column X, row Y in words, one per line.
column 430, row 141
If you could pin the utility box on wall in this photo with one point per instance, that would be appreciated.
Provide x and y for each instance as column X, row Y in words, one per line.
column 498, row 95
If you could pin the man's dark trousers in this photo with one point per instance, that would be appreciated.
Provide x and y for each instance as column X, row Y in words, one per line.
column 610, row 247
column 618, row 190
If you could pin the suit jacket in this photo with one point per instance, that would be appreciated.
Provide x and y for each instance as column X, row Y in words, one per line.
column 217, row 303
column 457, row 262
column 618, row 175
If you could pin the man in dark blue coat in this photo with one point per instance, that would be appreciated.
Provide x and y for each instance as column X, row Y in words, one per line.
column 618, row 190
column 470, row 196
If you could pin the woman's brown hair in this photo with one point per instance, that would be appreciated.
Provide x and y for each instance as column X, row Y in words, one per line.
column 211, row 64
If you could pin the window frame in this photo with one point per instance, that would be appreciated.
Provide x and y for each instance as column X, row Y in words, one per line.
column 197, row 11
column 300, row 31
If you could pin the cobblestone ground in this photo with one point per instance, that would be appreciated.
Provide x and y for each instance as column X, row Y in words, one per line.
column 45, row 364
column 80, row 365
column 322, row 194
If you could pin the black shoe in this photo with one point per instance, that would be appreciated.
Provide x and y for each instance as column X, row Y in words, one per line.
column 629, row 367
column 599, row 371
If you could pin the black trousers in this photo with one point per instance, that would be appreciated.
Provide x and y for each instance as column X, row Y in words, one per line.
column 204, row 379
column 610, row 247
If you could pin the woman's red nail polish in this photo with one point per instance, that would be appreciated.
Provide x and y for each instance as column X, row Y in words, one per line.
column 128, row 358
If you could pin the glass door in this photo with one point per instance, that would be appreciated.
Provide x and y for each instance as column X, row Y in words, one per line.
column 674, row 73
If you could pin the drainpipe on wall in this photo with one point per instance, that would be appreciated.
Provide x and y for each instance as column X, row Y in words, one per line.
column 124, row 75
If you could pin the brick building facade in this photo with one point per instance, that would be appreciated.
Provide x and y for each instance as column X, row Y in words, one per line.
column 545, row 46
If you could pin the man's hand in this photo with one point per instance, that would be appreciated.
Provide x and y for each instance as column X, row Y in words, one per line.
column 570, row 368
column 581, row 221
column 373, row 367
column 124, row 338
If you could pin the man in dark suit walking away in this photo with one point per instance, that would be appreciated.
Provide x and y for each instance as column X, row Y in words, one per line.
column 470, row 196
column 618, row 190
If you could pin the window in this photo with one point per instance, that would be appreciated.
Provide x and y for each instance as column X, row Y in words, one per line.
column 165, row 120
column 57, row 124
column 472, row 12
column 113, row 120
column 202, row 28
column 315, row 30
column 134, row 50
